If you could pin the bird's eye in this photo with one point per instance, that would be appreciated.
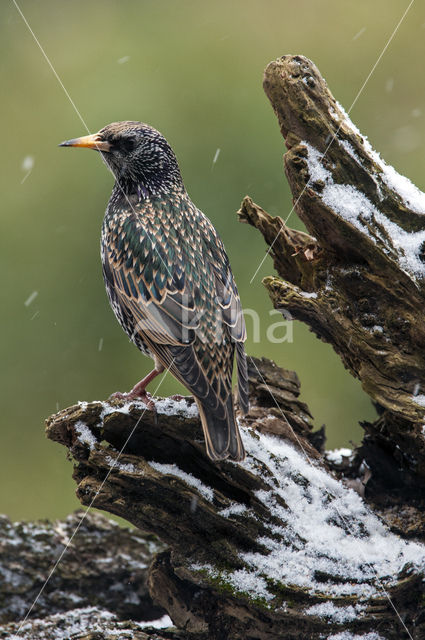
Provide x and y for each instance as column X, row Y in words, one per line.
column 127, row 144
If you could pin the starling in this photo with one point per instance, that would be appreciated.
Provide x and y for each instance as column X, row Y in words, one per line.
column 169, row 281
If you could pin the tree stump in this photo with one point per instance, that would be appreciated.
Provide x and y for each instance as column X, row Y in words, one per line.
column 274, row 547
column 358, row 279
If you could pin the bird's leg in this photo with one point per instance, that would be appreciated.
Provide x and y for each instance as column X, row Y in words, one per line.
column 139, row 390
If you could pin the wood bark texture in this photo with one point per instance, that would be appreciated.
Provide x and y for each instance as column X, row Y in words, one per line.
column 357, row 279
column 239, row 536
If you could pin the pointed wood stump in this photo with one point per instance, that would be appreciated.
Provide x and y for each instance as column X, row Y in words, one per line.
column 357, row 279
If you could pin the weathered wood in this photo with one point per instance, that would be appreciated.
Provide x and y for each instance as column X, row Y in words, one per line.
column 358, row 279
column 100, row 583
column 89, row 623
column 105, row 566
column 249, row 554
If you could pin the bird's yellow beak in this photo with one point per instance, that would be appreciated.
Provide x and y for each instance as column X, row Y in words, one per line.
column 94, row 141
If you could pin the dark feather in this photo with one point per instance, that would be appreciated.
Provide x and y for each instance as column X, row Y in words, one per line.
column 243, row 386
column 222, row 438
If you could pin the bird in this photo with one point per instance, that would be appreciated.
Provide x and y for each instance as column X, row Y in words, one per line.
column 169, row 281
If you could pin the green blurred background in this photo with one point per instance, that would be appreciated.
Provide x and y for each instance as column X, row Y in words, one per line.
column 193, row 70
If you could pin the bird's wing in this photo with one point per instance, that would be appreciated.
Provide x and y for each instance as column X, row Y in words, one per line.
column 230, row 304
column 227, row 294
column 150, row 284
column 182, row 299
column 165, row 286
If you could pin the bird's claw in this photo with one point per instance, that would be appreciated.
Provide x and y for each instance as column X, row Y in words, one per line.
column 144, row 396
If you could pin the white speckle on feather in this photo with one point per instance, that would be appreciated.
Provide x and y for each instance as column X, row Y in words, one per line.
column 31, row 298
column 100, row 345
column 123, row 60
column 188, row 478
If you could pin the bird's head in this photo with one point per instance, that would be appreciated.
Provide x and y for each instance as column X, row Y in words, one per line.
column 137, row 154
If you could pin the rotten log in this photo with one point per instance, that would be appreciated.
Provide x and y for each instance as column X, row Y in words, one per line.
column 274, row 547
column 87, row 623
column 99, row 585
column 357, row 279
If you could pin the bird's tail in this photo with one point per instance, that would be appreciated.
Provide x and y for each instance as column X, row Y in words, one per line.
column 243, row 385
column 222, row 437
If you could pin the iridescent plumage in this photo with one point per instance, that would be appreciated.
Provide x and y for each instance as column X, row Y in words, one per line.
column 169, row 280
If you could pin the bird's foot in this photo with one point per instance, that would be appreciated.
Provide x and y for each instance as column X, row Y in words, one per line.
column 135, row 394
column 139, row 392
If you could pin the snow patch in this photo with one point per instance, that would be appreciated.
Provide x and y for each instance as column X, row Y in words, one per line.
column 127, row 468
column 326, row 528
column 419, row 399
column 411, row 196
column 357, row 209
column 347, row 635
column 125, row 408
column 160, row 623
column 66, row 624
column 171, row 407
column 188, row 478
column 163, row 406
column 337, row 455
column 85, row 436
column 235, row 509
column 333, row 613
